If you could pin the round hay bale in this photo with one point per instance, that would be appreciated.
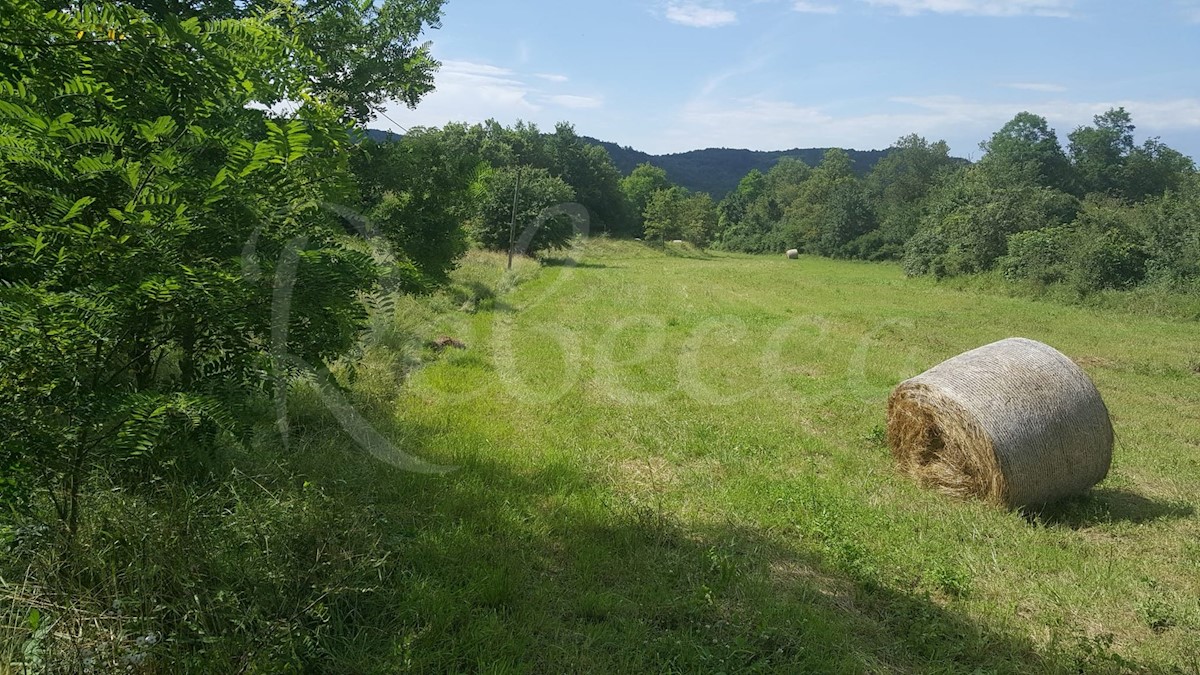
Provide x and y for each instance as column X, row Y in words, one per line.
column 1015, row 423
column 793, row 254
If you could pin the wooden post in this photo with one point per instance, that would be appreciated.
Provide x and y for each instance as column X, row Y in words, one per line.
column 512, row 226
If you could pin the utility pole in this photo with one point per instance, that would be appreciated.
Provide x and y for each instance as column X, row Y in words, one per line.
column 512, row 226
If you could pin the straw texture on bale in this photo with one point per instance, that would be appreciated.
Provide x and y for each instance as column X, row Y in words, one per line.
column 1015, row 423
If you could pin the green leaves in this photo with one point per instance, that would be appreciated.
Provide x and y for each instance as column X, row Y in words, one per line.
column 134, row 177
column 153, row 131
column 77, row 208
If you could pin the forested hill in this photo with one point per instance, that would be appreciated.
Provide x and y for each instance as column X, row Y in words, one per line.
column 718, row 170
column 715, row 170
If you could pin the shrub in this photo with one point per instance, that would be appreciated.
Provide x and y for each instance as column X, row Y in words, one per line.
column 923, row 253
column 1172, row 228
column 1107, row 259
column 1038, row 255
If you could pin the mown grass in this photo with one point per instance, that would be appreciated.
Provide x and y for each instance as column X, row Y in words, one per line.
column 674, row 462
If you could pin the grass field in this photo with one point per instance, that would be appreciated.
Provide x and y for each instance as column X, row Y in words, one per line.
column 675, row 462
column 664, row 461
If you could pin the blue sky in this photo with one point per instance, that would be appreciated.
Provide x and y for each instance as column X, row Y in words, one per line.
column 676, row 75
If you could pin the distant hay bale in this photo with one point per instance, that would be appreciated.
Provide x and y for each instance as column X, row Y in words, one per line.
column 1015, row 423
column 793, row 254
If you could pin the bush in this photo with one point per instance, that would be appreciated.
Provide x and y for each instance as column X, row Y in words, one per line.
column 923, row 253
column 1172, row 228
column 1108, row 249
column 977, row 210
column 1038, row 255
column 1106, row 259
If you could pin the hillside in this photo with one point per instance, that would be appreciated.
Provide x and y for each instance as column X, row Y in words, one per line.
column 713, row 170
column 718, row 170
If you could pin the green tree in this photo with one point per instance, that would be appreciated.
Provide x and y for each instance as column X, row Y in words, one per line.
column 972, row 214
column 638, row 186
column 418, row 194
column 1153, row 169
column 743, row 223
column 1027, row 144
column 785, row 180
column 807, row 212
column 366, row 53
column 664, row 214
column 537, row 193
column 1107, row 247
column 848, row 217
column 164, row 255
column 898, row 186
column 590, row 171
column 699, row 216
column 1172, row 229
column 1099, row 152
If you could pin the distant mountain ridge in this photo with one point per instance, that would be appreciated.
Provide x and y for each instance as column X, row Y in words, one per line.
column 716, row 171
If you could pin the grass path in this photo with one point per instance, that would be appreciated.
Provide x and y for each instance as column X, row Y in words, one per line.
column 675, row 463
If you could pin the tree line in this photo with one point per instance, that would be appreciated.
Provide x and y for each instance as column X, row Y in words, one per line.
column 1104, row 212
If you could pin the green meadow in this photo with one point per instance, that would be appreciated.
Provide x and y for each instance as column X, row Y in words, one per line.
column 645, row 460
column 674, row 462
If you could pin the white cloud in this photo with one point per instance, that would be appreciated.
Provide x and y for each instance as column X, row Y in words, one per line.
column 760, row 123
column 484, row 84
column 472, row 92
column 699, row 16
column 814, row 7
column 1054, row 8
column 1175, row 114
column 1037, row 86
column 576, row 102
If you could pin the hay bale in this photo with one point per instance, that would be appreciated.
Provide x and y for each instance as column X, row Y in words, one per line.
column 793, row 254
column 1015, row 423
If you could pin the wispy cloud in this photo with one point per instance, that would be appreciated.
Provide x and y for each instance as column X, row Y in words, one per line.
column 484, row 82
column 769, row 124
column 1160, row 115
column 470, row 91
column 1036, row 86
column 814, row 7
column 697, row 15
column 1052, row 8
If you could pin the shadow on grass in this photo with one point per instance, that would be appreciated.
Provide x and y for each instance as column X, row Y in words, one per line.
column 320, row 559
column 1109, row 505
column 548, row 568
column 571, row 262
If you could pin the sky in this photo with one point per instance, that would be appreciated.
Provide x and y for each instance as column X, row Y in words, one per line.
column 668, row 76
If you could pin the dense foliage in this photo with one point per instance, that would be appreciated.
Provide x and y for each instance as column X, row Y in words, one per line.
column 532, row 194
column 146, row 212
column 1097, row 216
column 585, row 169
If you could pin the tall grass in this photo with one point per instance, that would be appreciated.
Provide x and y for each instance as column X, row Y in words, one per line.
column 259, row 568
